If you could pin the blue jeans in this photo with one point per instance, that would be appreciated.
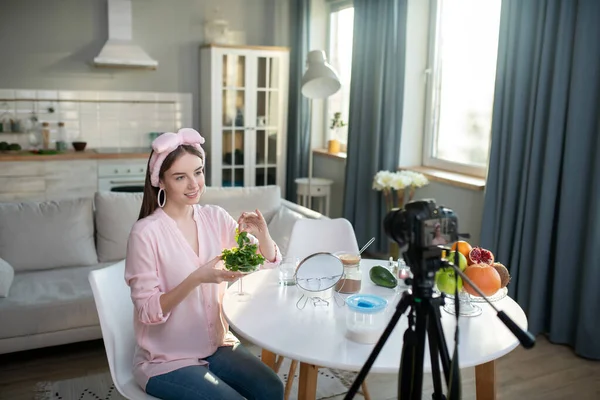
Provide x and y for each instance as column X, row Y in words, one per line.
column 232, row 373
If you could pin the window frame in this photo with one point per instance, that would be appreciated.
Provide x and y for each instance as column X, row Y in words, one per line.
column 431, row 115
column 332, row 7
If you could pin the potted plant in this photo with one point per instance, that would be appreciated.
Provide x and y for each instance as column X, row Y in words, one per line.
column 333, row 145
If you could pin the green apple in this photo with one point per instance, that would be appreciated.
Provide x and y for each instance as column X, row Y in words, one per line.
column 445, row 279
column 462, row 260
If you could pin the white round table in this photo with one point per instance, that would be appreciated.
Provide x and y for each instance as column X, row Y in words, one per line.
column 315, row 335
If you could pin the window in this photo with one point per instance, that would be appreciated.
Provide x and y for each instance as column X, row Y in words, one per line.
column 341, row 26
column 462, row 65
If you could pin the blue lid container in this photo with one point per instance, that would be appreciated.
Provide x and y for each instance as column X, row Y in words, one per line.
column 366, row 303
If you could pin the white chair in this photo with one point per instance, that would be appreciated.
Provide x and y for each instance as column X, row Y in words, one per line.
column 115, row 311
column 311, row 236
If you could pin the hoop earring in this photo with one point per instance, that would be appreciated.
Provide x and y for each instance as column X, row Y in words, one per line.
column 164, row 197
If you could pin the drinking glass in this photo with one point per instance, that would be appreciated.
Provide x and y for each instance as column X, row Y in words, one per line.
column 240, row 294
column 287, row 270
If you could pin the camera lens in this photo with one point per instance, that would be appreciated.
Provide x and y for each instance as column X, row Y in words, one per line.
column 395, row 226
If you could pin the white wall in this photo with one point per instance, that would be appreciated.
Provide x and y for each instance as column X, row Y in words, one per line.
column 49, row 44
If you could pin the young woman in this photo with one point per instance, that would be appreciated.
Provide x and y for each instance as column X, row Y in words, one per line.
column 184, row 347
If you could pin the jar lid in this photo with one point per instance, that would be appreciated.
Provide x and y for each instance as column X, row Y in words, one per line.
column 366, row 303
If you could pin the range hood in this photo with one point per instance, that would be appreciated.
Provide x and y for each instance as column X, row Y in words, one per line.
column 120, row 51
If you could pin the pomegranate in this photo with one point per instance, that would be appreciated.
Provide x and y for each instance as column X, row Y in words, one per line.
column 485, row 277
column 479, row 255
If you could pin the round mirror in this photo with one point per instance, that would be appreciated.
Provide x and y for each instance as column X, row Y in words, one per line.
column 319, row 272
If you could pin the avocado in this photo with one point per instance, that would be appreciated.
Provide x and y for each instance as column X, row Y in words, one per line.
column 382, row 276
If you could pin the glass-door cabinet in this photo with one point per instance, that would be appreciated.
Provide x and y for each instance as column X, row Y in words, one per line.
column 243, row 103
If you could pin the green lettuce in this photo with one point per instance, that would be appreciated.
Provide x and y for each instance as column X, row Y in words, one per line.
column 243, row 258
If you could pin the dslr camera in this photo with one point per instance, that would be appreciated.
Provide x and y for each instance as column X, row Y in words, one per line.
column 423, row 226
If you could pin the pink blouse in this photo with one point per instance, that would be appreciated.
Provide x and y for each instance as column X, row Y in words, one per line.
column 158, row 259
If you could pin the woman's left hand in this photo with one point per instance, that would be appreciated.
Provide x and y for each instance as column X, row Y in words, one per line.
column 254, row 223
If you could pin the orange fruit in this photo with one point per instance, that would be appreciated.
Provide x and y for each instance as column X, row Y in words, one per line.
column 463, row 247
column 485, row 277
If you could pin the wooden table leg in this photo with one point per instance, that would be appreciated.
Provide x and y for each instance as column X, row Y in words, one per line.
column 485, row 381
column 307, row 387
column 268, row 358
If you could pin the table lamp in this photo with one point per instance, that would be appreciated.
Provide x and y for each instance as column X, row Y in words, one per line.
column 318, row 82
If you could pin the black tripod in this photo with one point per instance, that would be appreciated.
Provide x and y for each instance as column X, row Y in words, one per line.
column 424, row 318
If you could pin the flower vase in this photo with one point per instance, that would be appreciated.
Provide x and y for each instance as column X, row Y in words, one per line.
column 394, row 250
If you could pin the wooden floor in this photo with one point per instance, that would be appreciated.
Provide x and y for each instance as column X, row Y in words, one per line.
column 548, row 371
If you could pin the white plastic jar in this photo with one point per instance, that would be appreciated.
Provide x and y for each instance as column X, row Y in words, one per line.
column 365, row 317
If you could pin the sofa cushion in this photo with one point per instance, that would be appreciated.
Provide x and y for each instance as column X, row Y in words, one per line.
column 50, row 234
column 49, row 301
column 115, row 215
column 7, row 274
column 236, row 200
column 281, row 226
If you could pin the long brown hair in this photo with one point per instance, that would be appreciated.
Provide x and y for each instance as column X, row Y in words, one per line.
column 150, row 199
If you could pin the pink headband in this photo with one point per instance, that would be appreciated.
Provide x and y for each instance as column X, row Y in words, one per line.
column 168, row 142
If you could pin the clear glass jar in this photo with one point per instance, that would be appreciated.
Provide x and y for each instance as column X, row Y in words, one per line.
column 365, row 317
column 403, row 273
column 351, row 282
column 61, row 141
column 45, row 135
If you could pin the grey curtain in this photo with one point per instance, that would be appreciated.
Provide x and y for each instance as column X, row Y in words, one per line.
column 298, row 145
column 375, row 119
column 543, row 189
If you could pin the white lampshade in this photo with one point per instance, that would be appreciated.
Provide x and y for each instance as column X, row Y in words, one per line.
column 320, row 80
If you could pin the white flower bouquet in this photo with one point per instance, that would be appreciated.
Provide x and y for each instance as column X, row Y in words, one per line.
column 396, row 185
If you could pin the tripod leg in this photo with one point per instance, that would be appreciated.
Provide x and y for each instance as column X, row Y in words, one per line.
column 410, row 382
column 435, row 327
column 451, row 366
column 438, row 393
column 400, row 309
column 421, row 329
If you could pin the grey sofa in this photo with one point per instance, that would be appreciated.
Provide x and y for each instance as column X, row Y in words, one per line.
column 52, row 246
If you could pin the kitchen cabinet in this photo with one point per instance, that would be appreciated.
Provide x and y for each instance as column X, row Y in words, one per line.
column 72, row 179
column 65, row 179
column 243, row 113
column 21, row 181
column 47, row 180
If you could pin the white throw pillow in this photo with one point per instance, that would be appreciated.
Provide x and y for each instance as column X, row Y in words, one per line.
column 48, row 234
column 7, row 274
column 281, row 226
column 115, row 215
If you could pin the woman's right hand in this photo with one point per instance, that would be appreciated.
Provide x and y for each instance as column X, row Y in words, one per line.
column 207, row 273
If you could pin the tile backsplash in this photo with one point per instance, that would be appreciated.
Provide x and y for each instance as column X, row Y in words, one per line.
column 100, row 118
